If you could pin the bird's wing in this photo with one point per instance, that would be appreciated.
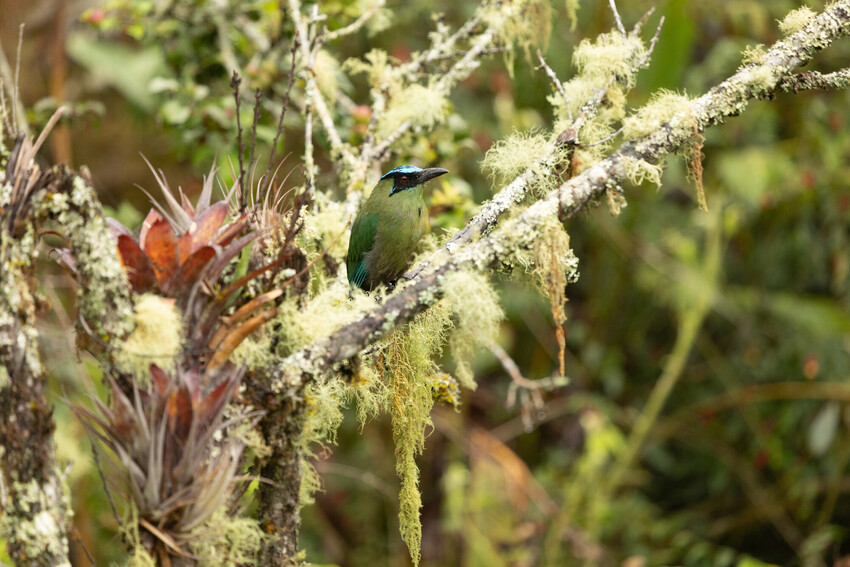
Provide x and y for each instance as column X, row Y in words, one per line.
column 362, row 239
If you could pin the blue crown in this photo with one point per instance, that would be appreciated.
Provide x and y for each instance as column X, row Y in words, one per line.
column 402, row 169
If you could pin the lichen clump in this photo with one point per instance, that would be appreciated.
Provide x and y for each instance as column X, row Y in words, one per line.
column 157, row 338
column 796, row 20
column 663, row 106
column 508, row 158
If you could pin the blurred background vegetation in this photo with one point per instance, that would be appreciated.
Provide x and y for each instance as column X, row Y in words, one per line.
column 741, row 312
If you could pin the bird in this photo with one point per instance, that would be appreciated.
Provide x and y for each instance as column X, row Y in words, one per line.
column 386, row 231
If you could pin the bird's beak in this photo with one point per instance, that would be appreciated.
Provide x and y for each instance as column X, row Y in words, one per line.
column 431, row 173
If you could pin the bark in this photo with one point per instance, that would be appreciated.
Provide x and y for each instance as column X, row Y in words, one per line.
column 278, row 497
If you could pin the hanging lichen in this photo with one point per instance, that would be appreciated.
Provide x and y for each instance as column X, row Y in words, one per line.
column 406, row 367
column 477, row 313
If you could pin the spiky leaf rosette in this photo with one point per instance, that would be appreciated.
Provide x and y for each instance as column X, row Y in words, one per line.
column 171, row 446
column 188, row 253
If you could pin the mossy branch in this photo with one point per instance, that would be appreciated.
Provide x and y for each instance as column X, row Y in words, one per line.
column 729, row 98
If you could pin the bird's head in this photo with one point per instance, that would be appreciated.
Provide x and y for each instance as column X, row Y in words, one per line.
column 409, row 176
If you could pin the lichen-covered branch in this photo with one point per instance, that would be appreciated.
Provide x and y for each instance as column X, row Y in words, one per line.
column 559, row 152
column 34, row 508
column 103, row 295
column 634, row 158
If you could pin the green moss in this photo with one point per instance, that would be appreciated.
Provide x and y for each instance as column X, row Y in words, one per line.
column 477, row 313
column 660, row 109
column 796, row 20
column 157, row 338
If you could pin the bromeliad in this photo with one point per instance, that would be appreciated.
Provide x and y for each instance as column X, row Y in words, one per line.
column 387, row 229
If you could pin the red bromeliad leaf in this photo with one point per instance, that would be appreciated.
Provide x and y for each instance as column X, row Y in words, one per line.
column 232, row 230
column 203, row 230
column 152, row 217
column 139, row 271
column 160, row 379
column 180, row 412
column 212, row 403
column 189, row 271
column 160, row 246
column 193, row 383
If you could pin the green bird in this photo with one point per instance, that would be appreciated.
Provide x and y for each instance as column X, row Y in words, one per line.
column 387, row 229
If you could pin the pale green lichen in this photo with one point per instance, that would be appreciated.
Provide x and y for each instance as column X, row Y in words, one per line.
column 477, row 314
column 524, row 23
column 660, row 109
column 407, row 366
column 324, row 228
column 754, row 55
column 610, row 55
column 156, row 339
column 323, row 416
column 637, row 171
column 104, row 294
column 228, row 541
column 796, row 20
column 326, row 69
column 326, row 312
column 417, row 104
column 378, row 68
column 509, row 157
column 41, row 534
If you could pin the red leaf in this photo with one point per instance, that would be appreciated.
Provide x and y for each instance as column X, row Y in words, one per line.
column 160, row 379
column 180, row 413
column 213, row 402
column 185, row 276
column 161, row 249
column 232, row 230
column 203, row 230
column 136, row 264
column 152, row 217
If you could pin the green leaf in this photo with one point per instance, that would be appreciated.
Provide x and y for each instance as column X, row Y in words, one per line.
column 129, row 71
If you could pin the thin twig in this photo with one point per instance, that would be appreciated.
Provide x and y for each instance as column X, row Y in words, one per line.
column 105, row 484
column 243, row 200
column 557, row 83
column 18, row 76
column 235, row 81
column 265, row 182
column 617, row 17
column 355, row 25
